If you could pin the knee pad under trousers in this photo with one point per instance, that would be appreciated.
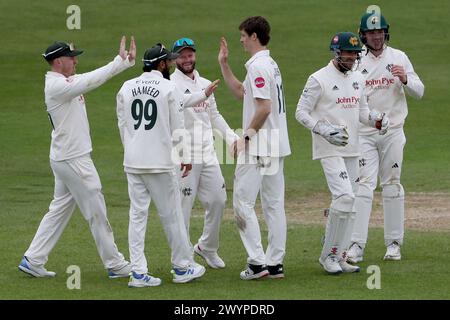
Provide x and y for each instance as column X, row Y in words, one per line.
column 344, row 203
column 393, row 191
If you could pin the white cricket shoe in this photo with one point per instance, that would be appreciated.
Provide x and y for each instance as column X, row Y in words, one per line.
column 355, row 253
column 254, row 272
column 393, row 252
column 192, row 272
column 348, row 268
column 212, row 258
column 143, row 280
column 35, row 271
column 331, row 264
column 123, row 272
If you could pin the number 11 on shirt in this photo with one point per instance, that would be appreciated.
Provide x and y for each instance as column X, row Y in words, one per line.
column 281, row 102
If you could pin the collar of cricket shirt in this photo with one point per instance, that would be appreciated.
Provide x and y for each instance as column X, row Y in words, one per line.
column 154, row 73
column 185, row 77
column 381, row 56
column 262, row 53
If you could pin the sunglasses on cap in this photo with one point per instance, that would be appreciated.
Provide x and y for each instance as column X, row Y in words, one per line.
column 60, row 49
column 183, row 43
column 156, row 53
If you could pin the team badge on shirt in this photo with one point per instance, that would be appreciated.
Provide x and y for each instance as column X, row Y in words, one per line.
column 355, row 85
column 389, row 67
column 260, row 82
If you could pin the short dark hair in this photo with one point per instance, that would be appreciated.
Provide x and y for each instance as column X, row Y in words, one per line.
column 258, row 25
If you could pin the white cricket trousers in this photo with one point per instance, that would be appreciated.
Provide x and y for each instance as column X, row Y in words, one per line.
column 381, row 155
column 341, row 175
column 76, row 183
column 249, row 179
column 163, row 188
column 206, row 182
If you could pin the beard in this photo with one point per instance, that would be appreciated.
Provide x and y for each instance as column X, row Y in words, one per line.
column 166, row 73
column 344, row 66
column 186, row 70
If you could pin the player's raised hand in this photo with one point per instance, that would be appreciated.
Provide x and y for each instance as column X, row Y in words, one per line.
column 223, row 51
column 212, row 87
column 124, row 53
column 132, row 52
column 399, row 71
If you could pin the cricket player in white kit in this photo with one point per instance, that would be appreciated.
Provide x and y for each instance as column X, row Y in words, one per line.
column 260, row 152
column 76, row 179
column 388, row 74
column 149, row 112
column 331, row 106
column 205, row 179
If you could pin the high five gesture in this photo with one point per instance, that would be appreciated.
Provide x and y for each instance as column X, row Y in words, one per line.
column 131, row 54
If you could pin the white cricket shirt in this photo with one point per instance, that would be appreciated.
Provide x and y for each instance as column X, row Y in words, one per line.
column 149, row 111
column 385, row 92
column 339, row 98
column 202, row 118
column 67, row 110
column 263, row 80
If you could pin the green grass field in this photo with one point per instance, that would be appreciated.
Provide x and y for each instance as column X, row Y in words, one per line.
column 301, row 31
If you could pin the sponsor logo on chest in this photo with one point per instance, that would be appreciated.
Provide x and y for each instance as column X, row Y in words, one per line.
column 201, row 107
column 348, row 102
column 384, row 81
column 380, row 83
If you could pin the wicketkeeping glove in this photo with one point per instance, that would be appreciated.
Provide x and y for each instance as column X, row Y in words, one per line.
column 379, row 120
column 334, row 134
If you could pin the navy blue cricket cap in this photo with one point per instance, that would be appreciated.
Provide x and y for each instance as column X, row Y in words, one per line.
column 183, row 43
column 60, row 49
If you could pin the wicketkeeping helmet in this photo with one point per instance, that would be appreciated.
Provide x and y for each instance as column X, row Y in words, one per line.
column 373, row 21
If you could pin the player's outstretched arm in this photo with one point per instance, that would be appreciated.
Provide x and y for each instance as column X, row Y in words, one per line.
column 194, row 98
column 262, row 112
column 232, row 82
column 85, row 82
column 219, row 123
